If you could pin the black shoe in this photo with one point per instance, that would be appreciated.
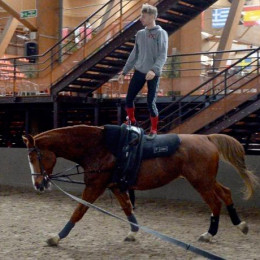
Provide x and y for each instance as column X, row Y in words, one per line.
column 151, row 135
column 132, row 124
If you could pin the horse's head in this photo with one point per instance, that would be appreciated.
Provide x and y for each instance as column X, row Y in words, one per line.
column 41, row 161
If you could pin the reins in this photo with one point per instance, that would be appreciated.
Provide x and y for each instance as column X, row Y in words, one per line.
column 162, row 236
column 60, row 176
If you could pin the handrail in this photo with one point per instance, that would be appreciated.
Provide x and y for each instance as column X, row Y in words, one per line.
column 213, row 88
column 51, row 58
column 210, row 52
column 94, row 23
column 210, row 98
column 112, row 37
column 27, row 69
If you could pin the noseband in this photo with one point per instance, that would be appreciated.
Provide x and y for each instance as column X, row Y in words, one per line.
column 43, row 172
column 39, row 157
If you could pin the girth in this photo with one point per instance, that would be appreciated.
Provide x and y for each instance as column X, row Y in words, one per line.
column 126, row 143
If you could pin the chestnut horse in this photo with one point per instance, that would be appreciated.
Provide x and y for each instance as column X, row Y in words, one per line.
column 196, row 160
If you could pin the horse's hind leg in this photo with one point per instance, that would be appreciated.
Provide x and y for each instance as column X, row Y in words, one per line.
column 224, row 194
column 214, row 203
column 124, row 200
column 90, row 194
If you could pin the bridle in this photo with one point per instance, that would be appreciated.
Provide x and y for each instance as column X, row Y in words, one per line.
column 39, row 157
column 60, row 176
column 43, row 172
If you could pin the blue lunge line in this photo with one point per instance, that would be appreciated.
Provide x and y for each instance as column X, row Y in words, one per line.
column 172, row 240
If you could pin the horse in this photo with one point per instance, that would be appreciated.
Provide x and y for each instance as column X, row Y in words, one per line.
column 196, row 160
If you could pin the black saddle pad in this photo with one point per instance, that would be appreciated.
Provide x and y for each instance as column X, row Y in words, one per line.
column 161, row 146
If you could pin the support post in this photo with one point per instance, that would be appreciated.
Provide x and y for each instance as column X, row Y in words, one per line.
column 27, row 121
column 96, row 114
column 55, row 112
column 229, row 32
column 119, row 113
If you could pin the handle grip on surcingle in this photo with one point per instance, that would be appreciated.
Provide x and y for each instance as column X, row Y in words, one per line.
column 128, row 120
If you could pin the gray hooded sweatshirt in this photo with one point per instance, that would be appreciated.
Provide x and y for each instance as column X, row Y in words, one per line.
column 150, row 51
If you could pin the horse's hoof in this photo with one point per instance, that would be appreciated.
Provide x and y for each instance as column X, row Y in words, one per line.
column 131, row 237
column 243, row 227
column 53, row 241
column 206, row 237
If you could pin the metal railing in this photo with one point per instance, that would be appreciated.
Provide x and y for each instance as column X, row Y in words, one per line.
column 224, row 83
column 183, row 73
column 19, row 74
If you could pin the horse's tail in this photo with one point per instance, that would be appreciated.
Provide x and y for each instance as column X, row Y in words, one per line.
column 233, row 152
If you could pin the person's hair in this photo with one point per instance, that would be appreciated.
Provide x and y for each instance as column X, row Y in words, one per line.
column 149, row 9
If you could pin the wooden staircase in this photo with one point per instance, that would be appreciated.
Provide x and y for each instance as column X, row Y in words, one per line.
column 103, row 58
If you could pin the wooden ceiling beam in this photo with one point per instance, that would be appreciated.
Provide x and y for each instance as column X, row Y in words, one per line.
column 16, row 15
column 7, row 34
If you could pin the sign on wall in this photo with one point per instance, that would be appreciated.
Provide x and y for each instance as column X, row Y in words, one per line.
column 28, row 13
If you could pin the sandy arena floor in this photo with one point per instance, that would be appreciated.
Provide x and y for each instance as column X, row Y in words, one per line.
column 27, row 219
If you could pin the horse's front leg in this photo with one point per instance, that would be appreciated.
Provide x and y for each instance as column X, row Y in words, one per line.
column 90, row 194
column 124, row 200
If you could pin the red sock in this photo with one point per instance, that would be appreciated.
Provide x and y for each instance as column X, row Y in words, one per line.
column 131, row 114
column 154, row 123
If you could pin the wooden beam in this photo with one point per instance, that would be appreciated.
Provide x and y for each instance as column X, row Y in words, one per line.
column 7, row 34
column 229, row 32
column 16, row 15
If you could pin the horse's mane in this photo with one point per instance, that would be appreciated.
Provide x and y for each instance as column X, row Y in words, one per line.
column 65, row 129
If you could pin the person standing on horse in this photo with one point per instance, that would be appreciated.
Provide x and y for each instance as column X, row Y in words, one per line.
column 147, row 57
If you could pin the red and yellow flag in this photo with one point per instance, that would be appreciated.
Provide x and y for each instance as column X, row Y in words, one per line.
column 251, row 15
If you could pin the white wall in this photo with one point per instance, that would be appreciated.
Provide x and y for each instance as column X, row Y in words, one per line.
column 14, row 171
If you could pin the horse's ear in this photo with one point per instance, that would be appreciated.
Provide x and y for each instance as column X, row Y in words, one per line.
column 28, row 140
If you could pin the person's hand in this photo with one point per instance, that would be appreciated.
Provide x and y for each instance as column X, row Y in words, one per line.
column 121, row 79
column 150, row 75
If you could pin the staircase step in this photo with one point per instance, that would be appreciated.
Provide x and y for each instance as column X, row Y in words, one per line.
column 100, row 74
column 114, row 63
column 106, row 70
column 119, row 55
column 241, row 132
column 201, row 4
column 169, row 27
column 79, row 90
column 179, row 14
column 132, row 40
column 178, row 19
column 85, row 83
column 127, row 48
column 187, row 10
column 101, row 77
